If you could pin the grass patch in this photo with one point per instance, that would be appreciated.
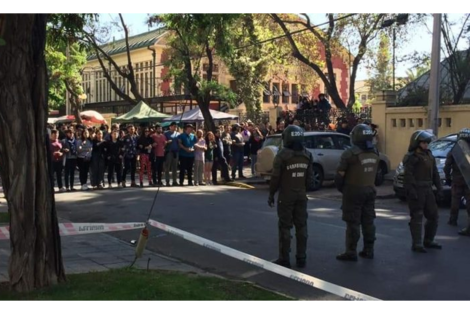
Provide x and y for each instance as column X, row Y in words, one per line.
column 133, row 284
column 4, row 218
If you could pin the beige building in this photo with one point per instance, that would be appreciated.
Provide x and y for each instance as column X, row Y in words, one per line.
column 362, row 91
column 148, row 54
column 396, row 124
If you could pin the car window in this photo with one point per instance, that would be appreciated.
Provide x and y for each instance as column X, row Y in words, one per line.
column 273, row 141
column 309, row 142
column 324, row 142
column 343, row 142
column 440, row 148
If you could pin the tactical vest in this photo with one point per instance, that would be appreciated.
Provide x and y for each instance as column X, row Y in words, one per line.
column 363, row 170
column 294, row 171
column 423, row 171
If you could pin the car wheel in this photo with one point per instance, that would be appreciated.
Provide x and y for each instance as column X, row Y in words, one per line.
column 380, row 177
column 317, row 179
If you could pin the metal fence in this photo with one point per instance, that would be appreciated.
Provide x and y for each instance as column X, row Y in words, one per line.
column 255, row 117
column 313, row 116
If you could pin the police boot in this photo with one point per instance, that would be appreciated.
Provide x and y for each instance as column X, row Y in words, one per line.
column 452, row 220
column 301, row 263
column 464, row 231
column 430, row 230
column 416, row 230
column 283, row 262
column 368, row 231
column 367, row 254
column 351, row 245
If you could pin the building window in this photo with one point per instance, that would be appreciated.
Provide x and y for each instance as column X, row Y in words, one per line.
column 215, row 78
column 440, row 122
column 266, row 93
column 420, row 122
column 364, row 97
column 285, row 93
column 215, row 67
column 402, row 122
column 411, row 122
column 448, row 122
column 276, row 93
column 233, row 85
column 394, row 122
column 295, row 93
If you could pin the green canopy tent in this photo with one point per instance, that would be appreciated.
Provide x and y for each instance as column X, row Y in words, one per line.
column 141, row 113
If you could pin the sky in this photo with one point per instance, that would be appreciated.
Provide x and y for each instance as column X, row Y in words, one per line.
column 420, row 41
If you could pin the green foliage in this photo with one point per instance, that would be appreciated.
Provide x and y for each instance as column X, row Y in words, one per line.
column 62, row 72
column 4, row 218
column 381, row 72
column 65, row 30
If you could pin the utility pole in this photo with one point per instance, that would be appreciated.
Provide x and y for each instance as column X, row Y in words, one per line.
column 434, row 96
column 393, row 57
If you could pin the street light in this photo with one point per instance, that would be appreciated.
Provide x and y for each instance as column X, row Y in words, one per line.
column 401, row 19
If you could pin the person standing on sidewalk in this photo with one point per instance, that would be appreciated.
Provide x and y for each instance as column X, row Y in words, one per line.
column 219, row 160
column 237, row 150
column 85, row 148
column 256, row 142
column 144, row 144
column 171, row 154
column 57, row 158
column 199, row 149
column 98, row 161
column 70, row 148
column 227, row 144
column 130, row 155
column 159, row 145
column 186, row 154
column 114, row 156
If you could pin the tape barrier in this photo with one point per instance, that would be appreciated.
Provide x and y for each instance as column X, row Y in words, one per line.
column 269, row 266
column 71, row 229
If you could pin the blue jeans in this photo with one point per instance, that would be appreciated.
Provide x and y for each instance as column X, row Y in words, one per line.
column 237, row 163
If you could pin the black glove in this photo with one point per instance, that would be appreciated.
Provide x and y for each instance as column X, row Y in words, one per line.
column 339, row 182
column 412, row 194
column 271, row 201
column 449, row 182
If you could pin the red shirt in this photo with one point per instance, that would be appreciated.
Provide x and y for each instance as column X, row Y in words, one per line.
column 159, row 149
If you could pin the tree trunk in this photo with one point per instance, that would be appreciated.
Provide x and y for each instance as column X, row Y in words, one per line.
column 36, row 258
column 204, row 105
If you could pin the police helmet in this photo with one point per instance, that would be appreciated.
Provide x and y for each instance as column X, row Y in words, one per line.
column 418, row 137
column 464, row 134
column 362, row 136
column 293, row 137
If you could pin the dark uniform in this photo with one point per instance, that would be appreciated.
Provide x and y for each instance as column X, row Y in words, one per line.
column 460, row 189
column 420, row 175
column 291, row 173
column 356, row 180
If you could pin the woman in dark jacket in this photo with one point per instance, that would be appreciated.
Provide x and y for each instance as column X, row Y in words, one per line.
column 256, row 142
column 114, row 155
column 98, row 161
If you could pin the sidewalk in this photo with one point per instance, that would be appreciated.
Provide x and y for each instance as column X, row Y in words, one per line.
column 329, row 191
column 101, row 252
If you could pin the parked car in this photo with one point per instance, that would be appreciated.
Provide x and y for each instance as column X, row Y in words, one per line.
column 326, row 149
column 439, row 148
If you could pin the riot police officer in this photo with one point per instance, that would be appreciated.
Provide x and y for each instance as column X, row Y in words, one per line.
column 420, row 175
column 291, row 175
column 355, row 178
column 455, row 179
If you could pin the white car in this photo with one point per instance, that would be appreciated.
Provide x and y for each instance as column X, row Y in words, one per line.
column 326, row 149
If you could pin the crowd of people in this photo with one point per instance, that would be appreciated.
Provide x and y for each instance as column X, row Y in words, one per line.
column 171, row 157
column 166, row 158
